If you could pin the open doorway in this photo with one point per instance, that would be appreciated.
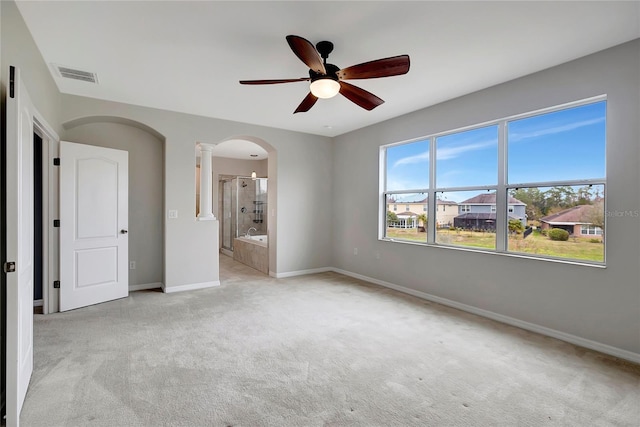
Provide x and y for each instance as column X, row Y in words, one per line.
column 253, row 160
column 39, row 250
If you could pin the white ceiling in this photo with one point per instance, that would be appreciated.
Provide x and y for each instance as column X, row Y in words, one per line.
column 240, row 149
column 188, row 56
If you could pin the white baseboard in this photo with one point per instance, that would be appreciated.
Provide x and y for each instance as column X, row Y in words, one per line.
column 300, row 272
column 38, row 303
column 226, row 252
column 573, row 339
column 190, row 287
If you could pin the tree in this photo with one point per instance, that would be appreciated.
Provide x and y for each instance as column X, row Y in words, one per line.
column 534, row 199
column 563, row 197
column 515, row 226
column 423, row 219
column 595, row 215
column 391, row 216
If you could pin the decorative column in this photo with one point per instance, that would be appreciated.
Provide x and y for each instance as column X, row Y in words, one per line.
column 206, row 177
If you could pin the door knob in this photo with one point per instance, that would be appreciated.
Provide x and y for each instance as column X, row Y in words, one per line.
column 123, row 231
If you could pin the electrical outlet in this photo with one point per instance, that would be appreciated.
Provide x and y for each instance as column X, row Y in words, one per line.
column 132, row 265
column 173, row 214
column 355, row 251
column 377, row 255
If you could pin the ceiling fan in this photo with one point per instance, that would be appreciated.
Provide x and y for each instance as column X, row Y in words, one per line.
column 327, row 80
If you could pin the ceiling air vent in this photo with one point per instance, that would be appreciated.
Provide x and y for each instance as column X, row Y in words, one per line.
column 71, row 73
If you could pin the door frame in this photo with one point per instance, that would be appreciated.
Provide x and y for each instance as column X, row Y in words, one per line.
column 50, row 205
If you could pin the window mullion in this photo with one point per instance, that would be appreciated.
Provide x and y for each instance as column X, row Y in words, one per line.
column 501, row 190
column 433, row 202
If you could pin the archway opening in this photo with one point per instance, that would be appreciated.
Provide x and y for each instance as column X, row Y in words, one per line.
column 244, row 195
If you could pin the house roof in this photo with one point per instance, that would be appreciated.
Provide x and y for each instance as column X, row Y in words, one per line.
column 406, row 214
column 575, row 215
column 489, row 199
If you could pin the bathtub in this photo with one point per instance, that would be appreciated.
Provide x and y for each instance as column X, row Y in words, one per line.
column 260, row 239
column 252, row 251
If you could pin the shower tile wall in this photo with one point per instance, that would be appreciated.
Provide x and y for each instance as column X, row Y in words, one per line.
column 252, row 205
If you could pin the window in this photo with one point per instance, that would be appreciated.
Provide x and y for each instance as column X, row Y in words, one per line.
column 405, row 225
column 407, row 181
column 590, row 230
column 509, row 184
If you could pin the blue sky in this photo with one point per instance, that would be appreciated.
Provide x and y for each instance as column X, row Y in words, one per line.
column 563, row 145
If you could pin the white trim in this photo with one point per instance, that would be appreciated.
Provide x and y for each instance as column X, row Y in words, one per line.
column 145, row 286
column 190, row 287
column 38, row 303
column 563, row 336
column 50, row 141
column 300, row 272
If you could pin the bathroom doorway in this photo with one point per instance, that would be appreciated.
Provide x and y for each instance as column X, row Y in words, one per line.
column 253, row 161
column 243, row 208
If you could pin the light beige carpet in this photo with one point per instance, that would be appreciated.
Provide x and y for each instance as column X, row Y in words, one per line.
column 319, row 350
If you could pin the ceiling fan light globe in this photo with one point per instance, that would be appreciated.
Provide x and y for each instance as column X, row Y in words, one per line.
column 325, row 88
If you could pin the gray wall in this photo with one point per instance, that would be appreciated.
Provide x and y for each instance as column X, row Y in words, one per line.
column 299, row 171
column 236, row 167
column 597, row 304
column 146, row 228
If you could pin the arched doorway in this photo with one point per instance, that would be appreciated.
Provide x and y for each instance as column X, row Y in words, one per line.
column 238, row 157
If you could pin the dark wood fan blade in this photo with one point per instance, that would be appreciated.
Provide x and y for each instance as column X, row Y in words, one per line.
column 386, row 67
column 359, row 96
column 306, row 104
column 307, row 53
column 271, row 82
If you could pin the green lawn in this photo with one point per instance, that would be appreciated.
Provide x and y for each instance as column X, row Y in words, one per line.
column 535, row 243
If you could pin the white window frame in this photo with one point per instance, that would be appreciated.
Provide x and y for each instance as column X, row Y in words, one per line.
column 591, row 230
column 502, row 188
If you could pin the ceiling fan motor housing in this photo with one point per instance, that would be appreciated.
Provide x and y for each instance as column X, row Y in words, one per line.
column 332, row 73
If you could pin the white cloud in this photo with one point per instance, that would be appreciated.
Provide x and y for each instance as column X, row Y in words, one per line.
column 554, row 130
column 447, row 153
column 416, row 158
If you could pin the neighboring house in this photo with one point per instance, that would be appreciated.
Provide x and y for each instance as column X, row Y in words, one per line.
column 575, row 220
column 446, row 211
column 479, row 212
column 406, row 219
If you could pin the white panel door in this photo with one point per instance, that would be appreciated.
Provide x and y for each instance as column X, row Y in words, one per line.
column 19, row 249
column 94, row 244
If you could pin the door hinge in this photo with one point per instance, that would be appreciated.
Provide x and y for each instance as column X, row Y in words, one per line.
column 56, row 161
column 12, row 81
column 9, row 267
column 56, row 223
column 56, row 284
